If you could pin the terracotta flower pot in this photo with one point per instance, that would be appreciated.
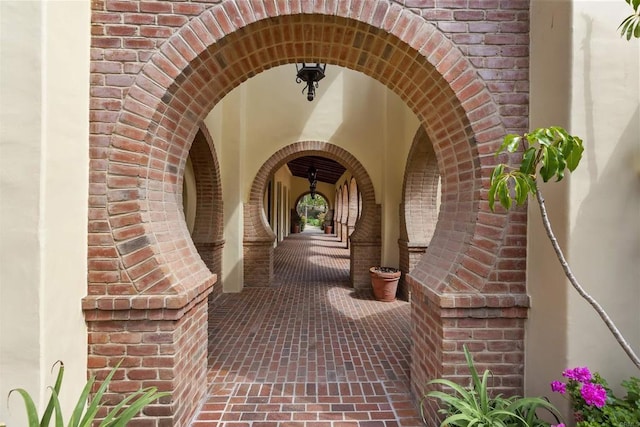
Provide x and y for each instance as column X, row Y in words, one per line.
column 384, row 281
column 328, row 229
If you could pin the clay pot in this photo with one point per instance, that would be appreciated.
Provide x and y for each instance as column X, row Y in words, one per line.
column 384, row 281
column 328, row 229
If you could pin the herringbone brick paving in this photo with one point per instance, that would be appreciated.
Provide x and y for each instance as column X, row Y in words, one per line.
column 310, row 351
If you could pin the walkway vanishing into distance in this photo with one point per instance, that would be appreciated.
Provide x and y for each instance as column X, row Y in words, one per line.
column 309, row 351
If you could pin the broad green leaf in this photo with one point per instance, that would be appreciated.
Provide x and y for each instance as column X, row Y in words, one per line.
column 32, row 412
column 502, row 190
column 550, row 163
column 521, row 188
column 528, row 161
column 574, row 157
column 499, row 170
column 495, row 177
column 510, row 143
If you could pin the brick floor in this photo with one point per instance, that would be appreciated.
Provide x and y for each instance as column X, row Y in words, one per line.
column 310, row 351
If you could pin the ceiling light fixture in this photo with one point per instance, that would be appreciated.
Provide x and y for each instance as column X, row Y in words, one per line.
column 311, row 74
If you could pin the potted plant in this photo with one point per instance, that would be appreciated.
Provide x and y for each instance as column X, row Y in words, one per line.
column 384, row 281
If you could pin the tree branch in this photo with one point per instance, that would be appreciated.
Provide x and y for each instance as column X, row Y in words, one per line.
column 574, row 282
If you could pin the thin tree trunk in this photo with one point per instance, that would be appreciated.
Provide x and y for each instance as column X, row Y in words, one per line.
column 574, row 282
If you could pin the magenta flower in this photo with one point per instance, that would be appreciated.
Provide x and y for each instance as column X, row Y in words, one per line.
column 580, row 374
column 593, row 394
column 558, row 425
column 558, row 387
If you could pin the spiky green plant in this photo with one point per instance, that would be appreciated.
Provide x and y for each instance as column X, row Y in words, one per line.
column 474, row 405
column 84, row 415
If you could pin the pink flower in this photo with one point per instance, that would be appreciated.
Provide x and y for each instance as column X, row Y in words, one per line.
column 593, row 394
column 580, row 374
column 558, row 425
column 558, row 387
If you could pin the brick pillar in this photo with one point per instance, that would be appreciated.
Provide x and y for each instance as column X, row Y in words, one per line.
column 491, row 326
column 161, row 341
column 258, row 262
column 410, row 254
column 211, row 254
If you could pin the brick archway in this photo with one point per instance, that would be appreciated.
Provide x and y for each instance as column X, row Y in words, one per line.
column 259, row 238
column 145, row 276
column 418, row 211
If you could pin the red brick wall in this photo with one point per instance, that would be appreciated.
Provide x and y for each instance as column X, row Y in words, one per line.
column 159, row 67
column 156, row 347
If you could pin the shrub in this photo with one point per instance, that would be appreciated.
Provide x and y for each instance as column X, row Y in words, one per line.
column 593, row 402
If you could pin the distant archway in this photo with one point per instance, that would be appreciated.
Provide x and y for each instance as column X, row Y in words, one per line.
column 259, row 238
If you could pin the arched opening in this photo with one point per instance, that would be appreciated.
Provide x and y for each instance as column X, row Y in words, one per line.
column 420, row 205
column 259, row 237
column 312, row 210
column 154, row 277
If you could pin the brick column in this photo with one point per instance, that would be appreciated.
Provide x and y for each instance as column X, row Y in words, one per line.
column 258, row 262
column 161, row 341
column 410, row 254
column 491, row 326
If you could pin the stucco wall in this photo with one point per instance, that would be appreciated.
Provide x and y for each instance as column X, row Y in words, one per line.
column 592, row 89
column 44, row 186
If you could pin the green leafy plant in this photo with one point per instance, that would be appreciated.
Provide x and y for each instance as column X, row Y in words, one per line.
column 474, row 406
column 85, row 415
column 548, row 153
column 594, row 404
column 630, row 27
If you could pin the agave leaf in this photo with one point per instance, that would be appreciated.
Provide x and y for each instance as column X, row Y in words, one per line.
column 456, row 387
column 140, row 399
column 76, row 415
column 484, row 393
column 46, row 417
column 32, row 412
column 92, row 410
column 55, row 401
column 453, row 420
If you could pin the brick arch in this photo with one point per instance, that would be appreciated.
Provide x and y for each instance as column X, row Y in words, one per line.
column 418, row 210
column 143, row 265
column 208, row 228
column 338, row 213
column 344, row 209
column 259, row 238
column 192, row 71
column 353, row 202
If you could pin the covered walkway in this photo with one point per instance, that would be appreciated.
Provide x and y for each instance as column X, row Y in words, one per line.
column 309, row 351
